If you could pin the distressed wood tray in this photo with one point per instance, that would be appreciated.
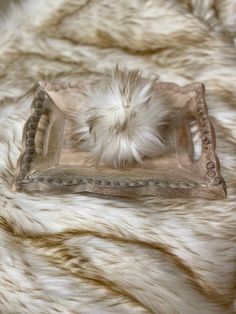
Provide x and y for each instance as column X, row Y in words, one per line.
column 56, row 167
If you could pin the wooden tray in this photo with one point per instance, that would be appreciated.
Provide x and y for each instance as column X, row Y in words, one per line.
column 55, row 166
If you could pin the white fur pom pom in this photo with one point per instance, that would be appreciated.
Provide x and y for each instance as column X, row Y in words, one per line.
column 122, row 120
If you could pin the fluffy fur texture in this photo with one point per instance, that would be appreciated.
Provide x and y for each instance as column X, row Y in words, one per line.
column 91, row 255
column 122, row 120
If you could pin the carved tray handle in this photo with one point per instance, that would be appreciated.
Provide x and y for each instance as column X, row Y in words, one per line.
column 30, row 157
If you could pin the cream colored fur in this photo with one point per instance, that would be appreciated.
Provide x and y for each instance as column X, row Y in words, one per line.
column 87, row 254
column 123, row 120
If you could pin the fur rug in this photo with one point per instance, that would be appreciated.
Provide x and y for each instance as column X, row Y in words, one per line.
column 83, row 254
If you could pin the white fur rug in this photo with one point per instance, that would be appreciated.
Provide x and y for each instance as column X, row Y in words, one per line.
column 80, row 254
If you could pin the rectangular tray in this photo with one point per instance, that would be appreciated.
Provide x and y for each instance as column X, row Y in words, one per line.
column 56, row 167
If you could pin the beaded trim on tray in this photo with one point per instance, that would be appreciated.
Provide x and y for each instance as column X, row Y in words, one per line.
column 208, row 146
